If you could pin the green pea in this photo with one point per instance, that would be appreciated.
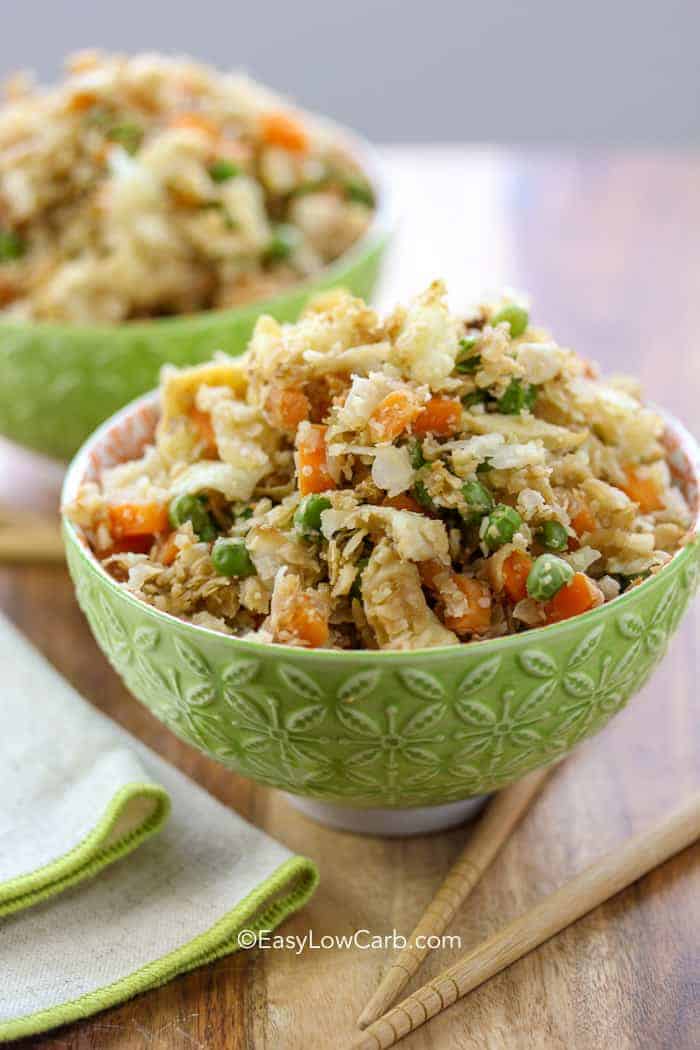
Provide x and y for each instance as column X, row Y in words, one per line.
column 547, row 576
column 553, row 536
column 128, row 135
column 358, row 190
column 474, row 397
column 282, row 244
column 230, row 558
column 423, row 496
column 223, row 170
column 517, row 397
column 188, row 507
column 467, row 361
column 308, row 514
column 516, row 316
column 478, row 500
column 11, row 246
column 415, row 453
column 503, row 523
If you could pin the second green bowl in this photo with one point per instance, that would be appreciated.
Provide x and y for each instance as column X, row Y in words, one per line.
column 59, row 382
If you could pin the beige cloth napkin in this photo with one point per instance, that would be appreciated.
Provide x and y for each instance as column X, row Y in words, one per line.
column 86, row 919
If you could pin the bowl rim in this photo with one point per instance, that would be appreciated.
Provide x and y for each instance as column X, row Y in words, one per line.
column 384, row 221
column 78, row 466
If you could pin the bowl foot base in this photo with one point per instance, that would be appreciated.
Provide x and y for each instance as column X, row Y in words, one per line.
column 395, row 823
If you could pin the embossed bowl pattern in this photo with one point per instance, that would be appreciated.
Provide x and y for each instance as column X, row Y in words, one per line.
column 383, row 729
column 58, row 382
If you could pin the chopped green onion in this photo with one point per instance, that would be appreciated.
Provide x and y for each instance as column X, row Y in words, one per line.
column 467, row 361
column 356, row 589
column 11, row 246
column 517, row 397
column 415, row 454
column 474, row 397
column 358, row 190
column 423, row 496
column 128, row 135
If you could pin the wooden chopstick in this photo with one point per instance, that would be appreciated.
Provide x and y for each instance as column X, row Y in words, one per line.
column 576, row 898
column 490, row 833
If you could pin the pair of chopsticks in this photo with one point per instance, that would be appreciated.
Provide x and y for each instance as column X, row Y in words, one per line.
column 28, row 537
column 566, row 905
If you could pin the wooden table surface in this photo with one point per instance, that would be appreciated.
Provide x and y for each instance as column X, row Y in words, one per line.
column 608, row 247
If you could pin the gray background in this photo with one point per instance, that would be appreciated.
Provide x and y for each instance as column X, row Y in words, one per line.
column 620, row 72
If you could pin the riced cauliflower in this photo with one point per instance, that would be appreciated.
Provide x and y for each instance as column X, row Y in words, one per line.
column 150, row 186
column 400, row 483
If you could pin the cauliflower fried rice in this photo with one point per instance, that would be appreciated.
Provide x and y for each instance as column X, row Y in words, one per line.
column 416, row 481
column 149, row 186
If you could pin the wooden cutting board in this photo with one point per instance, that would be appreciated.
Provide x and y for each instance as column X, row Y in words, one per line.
column 607, row 245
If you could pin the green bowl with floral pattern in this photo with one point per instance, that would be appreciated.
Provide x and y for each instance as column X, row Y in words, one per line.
column 58, row 382
column 384, row 731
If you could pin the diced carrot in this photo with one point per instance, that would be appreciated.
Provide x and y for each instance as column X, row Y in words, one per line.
column 308, row 623
column 196, row 122
column 404, row 502
column 81, row 101
column 430, row 571
column 168, row 550
column 516, row 569
column 281, row 129
column 201, row 421
column 287, row 407
column 394, row 414
column 577, row 596
column 643, row 491
column 477, row 618
column 312, row 464
column 137, row 519
column 129, row 545
column 583, row 521
column 441, row 416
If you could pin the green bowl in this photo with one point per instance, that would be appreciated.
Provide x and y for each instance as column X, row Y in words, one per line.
column 59, row 382
column 380, row 729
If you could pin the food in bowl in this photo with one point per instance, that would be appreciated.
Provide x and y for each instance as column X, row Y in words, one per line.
column 418, row 481
column 147, row 186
